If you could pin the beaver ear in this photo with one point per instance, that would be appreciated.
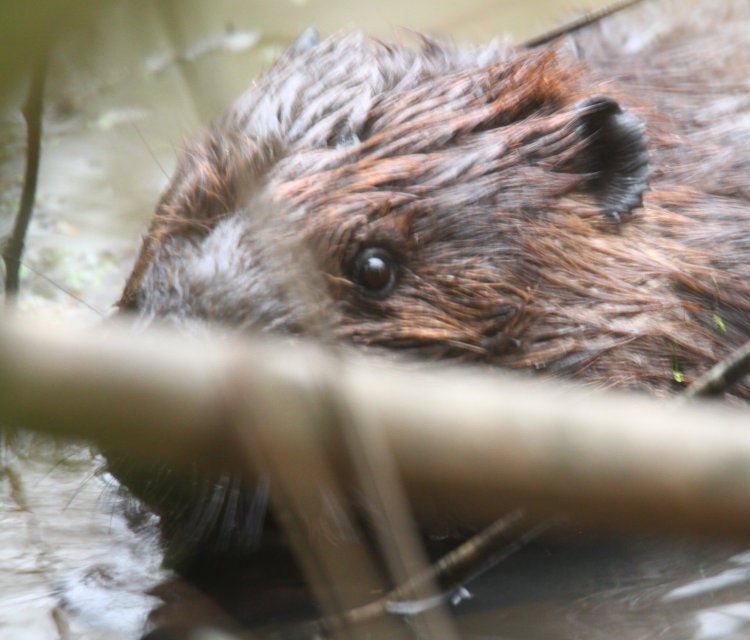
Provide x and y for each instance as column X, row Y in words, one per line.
column 612, row 155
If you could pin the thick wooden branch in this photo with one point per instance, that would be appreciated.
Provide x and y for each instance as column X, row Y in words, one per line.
column 466, row 444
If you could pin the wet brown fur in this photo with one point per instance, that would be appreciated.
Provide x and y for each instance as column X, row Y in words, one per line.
column 479, row 171
column 657, row 297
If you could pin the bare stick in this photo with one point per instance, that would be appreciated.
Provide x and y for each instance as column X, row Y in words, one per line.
column 395, row 529
column 722, row 376
column 584, row 20
column 466, row 444
column 474, row 556
column 32, row 113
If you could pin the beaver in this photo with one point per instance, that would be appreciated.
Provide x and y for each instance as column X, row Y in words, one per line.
column 579, row 209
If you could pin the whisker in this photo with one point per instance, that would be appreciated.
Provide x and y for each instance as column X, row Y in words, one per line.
column 65, row 290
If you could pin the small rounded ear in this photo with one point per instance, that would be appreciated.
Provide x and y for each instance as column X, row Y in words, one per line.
column 612, row 155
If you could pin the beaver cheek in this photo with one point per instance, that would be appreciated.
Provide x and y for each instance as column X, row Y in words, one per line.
column 234, row 277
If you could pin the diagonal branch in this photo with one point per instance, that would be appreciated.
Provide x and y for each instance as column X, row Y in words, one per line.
column 472, row 557
column 722, row 376
column 581, row 21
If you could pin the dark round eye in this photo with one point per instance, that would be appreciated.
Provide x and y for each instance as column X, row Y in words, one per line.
column 375, row 271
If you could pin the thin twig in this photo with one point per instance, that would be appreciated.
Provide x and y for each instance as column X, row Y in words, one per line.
column 392, row 521
column 584, row 20
column 474, row 556
column 722, row 376
column 32, row 113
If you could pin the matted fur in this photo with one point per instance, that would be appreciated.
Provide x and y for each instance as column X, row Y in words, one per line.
column 445, row 155
column 505, row 185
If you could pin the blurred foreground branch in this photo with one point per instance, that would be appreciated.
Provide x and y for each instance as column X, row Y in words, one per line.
column 466, row 444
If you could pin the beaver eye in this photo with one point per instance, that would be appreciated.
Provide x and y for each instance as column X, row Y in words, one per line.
column 375, row 271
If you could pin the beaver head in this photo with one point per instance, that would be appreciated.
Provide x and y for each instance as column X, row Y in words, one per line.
column 471, row 204
column 447, row 203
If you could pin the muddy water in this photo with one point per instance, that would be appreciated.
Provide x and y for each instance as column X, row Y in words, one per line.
column 121, row 101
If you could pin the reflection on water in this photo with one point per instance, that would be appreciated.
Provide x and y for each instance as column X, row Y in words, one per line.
column 586, row 587
column 111, row 591
column 714, row 583
column 71, row 567
column 570, row 585
column 64, row 533
column 720, row 620
column 723, row 622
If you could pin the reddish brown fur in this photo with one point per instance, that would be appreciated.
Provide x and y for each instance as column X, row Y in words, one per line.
column 628, row 304
column 503, row 188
